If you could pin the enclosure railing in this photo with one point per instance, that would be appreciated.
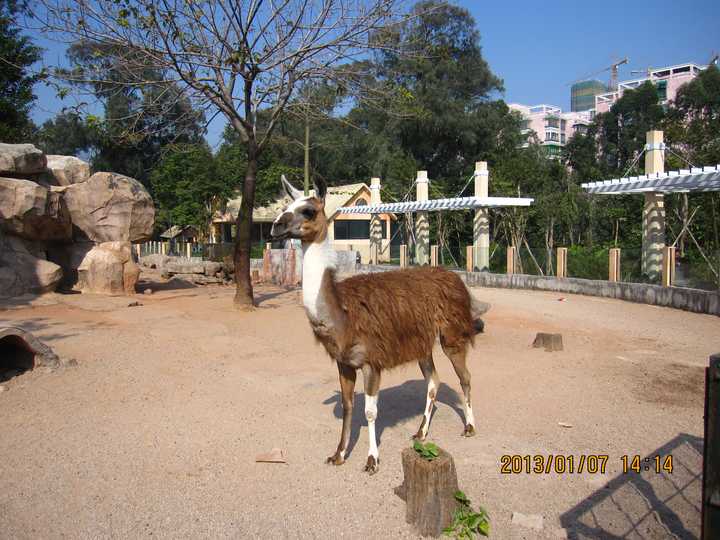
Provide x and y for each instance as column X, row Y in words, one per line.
column 688, row 269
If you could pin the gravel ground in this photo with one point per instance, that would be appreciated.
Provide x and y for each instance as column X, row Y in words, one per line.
column 154, row 432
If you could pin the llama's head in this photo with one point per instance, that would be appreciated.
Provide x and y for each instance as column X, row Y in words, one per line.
column 304, row 218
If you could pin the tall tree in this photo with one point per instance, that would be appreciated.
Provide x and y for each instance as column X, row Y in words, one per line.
column 697, row 106
column 17, row 54
column 234, row 57
column 187, row 187
column 621, row 131
column 446, row 83
column 67, row 134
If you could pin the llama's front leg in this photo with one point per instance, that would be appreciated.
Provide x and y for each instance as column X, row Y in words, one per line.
column 347, row 387
column 427, row 367
column 371, row 378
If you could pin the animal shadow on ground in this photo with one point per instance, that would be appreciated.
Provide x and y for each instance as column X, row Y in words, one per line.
column 395, row 405
column 262, row 299
column 646, row 504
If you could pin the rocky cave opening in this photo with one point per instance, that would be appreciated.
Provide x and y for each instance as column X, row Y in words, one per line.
column 16, row 357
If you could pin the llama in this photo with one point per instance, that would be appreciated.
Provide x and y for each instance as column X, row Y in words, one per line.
column 374, row 322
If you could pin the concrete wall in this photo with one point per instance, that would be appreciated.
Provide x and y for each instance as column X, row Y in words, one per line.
column 694, row 300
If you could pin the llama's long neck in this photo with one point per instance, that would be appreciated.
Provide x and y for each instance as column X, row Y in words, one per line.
column 317, row 258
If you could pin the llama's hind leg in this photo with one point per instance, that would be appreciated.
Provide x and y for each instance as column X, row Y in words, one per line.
column 371, row 378
column 456, row 350
column 427, row 367
column 347, row 387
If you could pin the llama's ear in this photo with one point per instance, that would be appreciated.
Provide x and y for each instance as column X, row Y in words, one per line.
column 293, row 193
column 320, row 189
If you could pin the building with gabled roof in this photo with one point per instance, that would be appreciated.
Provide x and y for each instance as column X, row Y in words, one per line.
column 346, row 231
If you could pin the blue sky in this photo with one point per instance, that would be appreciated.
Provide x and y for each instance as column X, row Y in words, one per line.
column 537, row 48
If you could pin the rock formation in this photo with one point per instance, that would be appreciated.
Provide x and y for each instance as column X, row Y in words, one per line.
column 110, row 207
column 108, row 268
column 60, row 226
column 67, row 170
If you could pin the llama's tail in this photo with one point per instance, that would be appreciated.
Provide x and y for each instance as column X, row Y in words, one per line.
column 477, row 310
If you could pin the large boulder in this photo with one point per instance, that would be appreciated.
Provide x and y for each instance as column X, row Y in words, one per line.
column 110, row 207
column 21, row 160
column 155, row 260
column 184, row 267
column 108, row 268
column 33, row 211
column 22, row 272
column 68, row 170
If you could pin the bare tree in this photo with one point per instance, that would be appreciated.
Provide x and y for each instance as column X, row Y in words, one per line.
column 243, row 59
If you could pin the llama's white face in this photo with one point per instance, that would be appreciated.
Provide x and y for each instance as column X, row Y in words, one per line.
column 304, row 218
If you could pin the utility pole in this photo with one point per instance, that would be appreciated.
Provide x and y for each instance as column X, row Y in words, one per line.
column 306, row 183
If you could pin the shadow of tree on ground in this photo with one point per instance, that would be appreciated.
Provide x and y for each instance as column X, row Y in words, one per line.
column 646, row 505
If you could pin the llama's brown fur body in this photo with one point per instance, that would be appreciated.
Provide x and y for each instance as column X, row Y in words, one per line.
column 395, row 317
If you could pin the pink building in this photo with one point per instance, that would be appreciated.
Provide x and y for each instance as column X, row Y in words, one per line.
column 667, row 80
column 552, row 127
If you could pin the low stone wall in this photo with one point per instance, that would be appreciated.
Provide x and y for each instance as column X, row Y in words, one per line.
column 694, row 300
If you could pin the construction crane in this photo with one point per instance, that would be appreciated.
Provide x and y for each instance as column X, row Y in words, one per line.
column 647, row 72
column 612, row 68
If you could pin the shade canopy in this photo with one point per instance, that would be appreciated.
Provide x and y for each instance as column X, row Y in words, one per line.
column 434, row 205
column 697, row 179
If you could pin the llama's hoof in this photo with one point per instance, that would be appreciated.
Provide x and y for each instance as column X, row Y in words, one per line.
column 373, row 465
column 469, row 431
column 335, row 459
column 419, row 436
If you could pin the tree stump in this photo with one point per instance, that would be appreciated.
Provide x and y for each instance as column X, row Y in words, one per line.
column 428, row 490
column 551, row 342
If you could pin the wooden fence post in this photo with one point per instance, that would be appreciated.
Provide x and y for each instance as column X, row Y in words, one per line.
column 469, row 258
column 267, row 271
column 433, row 255
column 188, row 247
column 668, row 267
column 614, row 265
column 511, row 262
column 403, row 256
column 561, row 262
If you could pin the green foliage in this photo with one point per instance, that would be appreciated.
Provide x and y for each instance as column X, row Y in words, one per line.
column 187, row 188
column 231, row 161
column 588, row 263
column 428, row 451
column 467, row 523
column 67, row 134
column 438, row 111
column 621, row 131
column 698, row 111
column 16, row 80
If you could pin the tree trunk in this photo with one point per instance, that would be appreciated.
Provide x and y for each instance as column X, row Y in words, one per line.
column 684, row 212
column 428, row 490
column 243, row 283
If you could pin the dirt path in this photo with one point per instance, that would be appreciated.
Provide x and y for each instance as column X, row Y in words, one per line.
column 155, row 431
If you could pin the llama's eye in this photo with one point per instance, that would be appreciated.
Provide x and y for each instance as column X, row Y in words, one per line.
column 309, row 213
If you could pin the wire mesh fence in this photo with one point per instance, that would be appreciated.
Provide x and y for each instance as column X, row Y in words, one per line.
column 698, row 270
